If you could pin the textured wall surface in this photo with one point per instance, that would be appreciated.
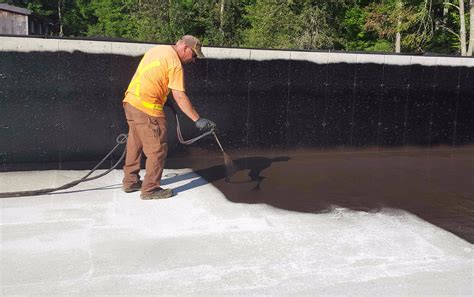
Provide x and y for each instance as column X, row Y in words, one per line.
column 61, row 100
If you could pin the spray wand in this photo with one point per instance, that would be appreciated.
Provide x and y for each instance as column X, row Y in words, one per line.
column 230, row 168
column 229, row 164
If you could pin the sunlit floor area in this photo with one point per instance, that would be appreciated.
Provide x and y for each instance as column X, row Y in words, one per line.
column 96, row 239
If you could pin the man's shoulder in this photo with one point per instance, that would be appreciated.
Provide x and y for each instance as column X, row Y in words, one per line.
column 165, row 53
column 160, row 49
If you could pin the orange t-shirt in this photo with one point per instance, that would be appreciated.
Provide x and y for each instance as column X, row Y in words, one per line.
column 159, row 71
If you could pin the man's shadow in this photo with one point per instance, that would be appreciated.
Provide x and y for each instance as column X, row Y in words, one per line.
column 226, row 173
column 369, row 183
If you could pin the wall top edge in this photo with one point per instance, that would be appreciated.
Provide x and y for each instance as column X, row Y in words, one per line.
column 25, row 44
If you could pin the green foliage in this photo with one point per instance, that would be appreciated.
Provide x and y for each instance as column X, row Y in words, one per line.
column 360, row 25
column 355, row 35
column 381, row 45
column 289, row 24
column 77, row 16
column 272, row 23
column 313, row 30
column 113, row 18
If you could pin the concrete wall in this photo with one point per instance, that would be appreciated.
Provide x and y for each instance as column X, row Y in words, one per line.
column 61, row 99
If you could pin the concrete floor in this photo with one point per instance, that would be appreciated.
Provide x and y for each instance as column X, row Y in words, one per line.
column 96, row 240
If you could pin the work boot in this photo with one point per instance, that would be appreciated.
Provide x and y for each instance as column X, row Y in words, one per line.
column 159, row 193
column 133, row 187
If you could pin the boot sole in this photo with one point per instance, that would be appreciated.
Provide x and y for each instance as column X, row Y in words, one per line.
column 156, row 196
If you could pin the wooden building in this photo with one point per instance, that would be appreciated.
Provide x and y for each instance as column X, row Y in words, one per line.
column 21, row 21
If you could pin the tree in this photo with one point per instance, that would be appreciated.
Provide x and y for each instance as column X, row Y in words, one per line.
column 354, row 34
column 78, row 16
column 462, row 28
column 221, row 13
column 471, row 28
column 459, row 20
column 290, row 24
column 420, row 28
column 398, row 36
column 272, row 23
column 153, row 20
column 167, row 21
column 369, row 25
column 233, row 22
column 407, row 25
column 113, row 18
column 313, row 30
column 60, row 8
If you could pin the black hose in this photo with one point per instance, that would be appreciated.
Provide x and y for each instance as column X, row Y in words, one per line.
column 121, row 139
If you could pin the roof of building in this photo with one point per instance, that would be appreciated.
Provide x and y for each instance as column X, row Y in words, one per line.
column 11, row 8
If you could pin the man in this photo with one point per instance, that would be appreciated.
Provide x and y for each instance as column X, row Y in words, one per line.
column 159, row 71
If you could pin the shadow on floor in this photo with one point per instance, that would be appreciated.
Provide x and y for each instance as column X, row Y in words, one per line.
column 435, row 186
column 253, row 165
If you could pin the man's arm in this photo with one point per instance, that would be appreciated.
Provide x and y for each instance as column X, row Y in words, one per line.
column 187, row 107
column 185, row 104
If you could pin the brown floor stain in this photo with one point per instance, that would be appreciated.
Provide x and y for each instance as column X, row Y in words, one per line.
column 435, row 185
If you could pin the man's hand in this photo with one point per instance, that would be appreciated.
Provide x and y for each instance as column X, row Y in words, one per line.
column 205, row 124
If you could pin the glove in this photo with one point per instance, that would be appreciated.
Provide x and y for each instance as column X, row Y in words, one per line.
column 205, row 124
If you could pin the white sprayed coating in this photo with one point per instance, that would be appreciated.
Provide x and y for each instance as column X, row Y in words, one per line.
column 265, row 55
column 17, row 44
column 398, row 60
column 101, row 241
column 227, row 53
column 424, row 61
column 374, row 58
column 468, row 62
column 316, row 57
column 86, row 46
column 130, row 49
column 137, row 49
column 444, row 61
column 342, row 58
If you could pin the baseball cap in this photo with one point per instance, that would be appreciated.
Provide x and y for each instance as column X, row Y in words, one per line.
column 194, row 44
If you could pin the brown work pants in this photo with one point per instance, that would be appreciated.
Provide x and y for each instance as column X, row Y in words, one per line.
column 146, row 134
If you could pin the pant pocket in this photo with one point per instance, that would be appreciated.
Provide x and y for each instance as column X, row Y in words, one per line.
column 154, row 127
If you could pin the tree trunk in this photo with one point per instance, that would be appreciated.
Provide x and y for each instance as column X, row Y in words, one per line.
column 462, row 29
column 60, row 4
column 399, row 24
column 445, row 14
column 471, row 28
column 397, row 42
column 221, row 27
